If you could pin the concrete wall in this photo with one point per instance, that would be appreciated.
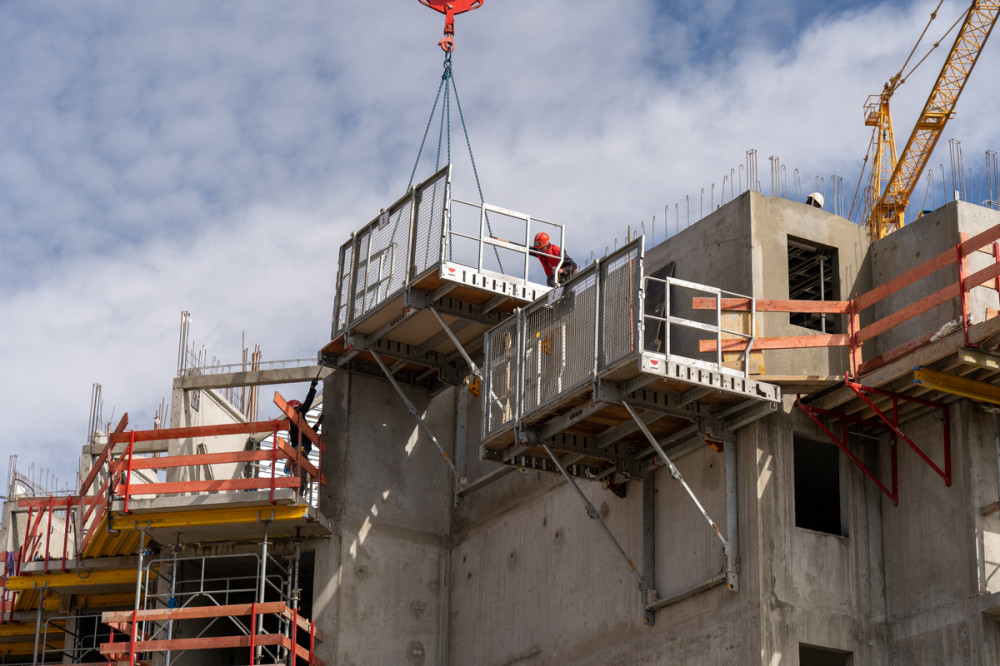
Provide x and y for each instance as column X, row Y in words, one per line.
column 204, row 407
column 743, row 247
column 381, row 591
column 815, row 588
column 917, row 242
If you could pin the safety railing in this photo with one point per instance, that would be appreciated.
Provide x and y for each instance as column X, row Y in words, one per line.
column 493, row 240
column 301, row 470
column 910, row 305
column 425, row 233
column 666, row 332
column 254, row 639
column 251, row 596
column 557, row 345
column 398, row 246
column 72, row 639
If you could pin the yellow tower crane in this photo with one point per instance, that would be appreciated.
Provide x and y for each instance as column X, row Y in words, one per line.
column 893, row 180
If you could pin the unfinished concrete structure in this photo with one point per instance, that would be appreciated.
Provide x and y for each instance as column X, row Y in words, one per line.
column 618, row 471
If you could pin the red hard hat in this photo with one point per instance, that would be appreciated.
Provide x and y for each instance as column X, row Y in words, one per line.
column 541, row 239
column 294, row 403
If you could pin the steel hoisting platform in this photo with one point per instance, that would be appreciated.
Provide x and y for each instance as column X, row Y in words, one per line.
column 422, row 283
column 599, row 370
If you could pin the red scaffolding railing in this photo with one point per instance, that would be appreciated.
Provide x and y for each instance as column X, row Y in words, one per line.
column 857, row 335
column 126, row 622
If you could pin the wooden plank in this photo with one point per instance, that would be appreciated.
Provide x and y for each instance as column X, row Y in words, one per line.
column 981, row 239
column 787, row 342
column 933, row 265
column 299, row 421
column 206, row 643
column 198, row 431
column 206, row 486
column 893, row 354
column 194, row 460
column 293, row 456
column 57, row 503
column 103, row 457
column 910, row 311
column 979, row 277
column 771, row 305
column 302, row 622
column 156, row 614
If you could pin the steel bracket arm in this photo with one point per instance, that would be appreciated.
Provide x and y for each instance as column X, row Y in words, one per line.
column 415, row 414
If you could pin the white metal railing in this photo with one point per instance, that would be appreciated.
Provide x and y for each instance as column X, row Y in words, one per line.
column 660, row 315
column 476, row 234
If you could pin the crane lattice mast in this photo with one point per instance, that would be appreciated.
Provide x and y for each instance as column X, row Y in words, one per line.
column 893, row 180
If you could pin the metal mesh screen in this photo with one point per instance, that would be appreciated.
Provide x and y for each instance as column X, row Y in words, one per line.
column 431, row 200
column 620, row 277
column 343, row 287
column 361, row 248
column 501, row 376
column 560, row 343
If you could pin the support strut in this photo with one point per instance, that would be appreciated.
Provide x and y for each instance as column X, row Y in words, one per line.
column 728, row 545
column 594, row 514
column 414, row 413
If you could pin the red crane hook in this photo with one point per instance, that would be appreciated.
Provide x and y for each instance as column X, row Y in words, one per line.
column 449, row 8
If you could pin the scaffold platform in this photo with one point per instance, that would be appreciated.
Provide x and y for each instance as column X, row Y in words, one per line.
column 599, row 370
column 422, row 282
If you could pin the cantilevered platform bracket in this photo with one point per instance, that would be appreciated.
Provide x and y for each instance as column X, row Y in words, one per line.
column 881, row 420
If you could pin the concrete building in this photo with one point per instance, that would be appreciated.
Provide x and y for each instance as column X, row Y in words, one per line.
column 658, row 462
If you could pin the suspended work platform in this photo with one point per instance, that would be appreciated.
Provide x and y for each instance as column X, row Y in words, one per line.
column 601, row 371
column 422, row 283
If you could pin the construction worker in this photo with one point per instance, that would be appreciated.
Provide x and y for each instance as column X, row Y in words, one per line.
column 302, row 444
column 548, row 254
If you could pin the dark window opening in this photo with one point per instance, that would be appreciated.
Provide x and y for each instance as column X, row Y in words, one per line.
column 812, row 276
column 817, row 486
column 810, row 655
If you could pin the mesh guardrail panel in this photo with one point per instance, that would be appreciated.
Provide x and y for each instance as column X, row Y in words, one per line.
column 501, row 376
column 431, row 200
column 560, row 343
column 344, row 286
column 620, row 277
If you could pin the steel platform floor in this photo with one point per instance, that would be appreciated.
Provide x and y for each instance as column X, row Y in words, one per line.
column 678, row 401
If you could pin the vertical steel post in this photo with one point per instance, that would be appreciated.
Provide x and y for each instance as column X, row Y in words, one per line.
column 996, row 449
column 173, row 599
column 262, row 582
column 461, row 438
column 732, row 548
column 649, row 545
column 38, row 622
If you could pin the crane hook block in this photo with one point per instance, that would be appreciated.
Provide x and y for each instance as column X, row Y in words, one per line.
column 450, row 8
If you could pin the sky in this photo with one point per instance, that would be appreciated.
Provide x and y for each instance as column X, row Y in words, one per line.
column 181, row 155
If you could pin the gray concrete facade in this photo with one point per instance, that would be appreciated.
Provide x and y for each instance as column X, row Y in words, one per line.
column 518, row 574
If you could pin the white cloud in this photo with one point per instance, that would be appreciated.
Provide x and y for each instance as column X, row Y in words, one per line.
column 168, row 156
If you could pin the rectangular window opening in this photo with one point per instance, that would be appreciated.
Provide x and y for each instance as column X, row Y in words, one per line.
column 812, row 276
column 810, row 655
column 817, row 487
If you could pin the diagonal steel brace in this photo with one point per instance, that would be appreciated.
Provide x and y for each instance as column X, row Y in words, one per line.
column 594, row 514
column 414, row 413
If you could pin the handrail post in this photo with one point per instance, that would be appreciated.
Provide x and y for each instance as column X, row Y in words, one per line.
column 274, row 458
column 128, row 474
